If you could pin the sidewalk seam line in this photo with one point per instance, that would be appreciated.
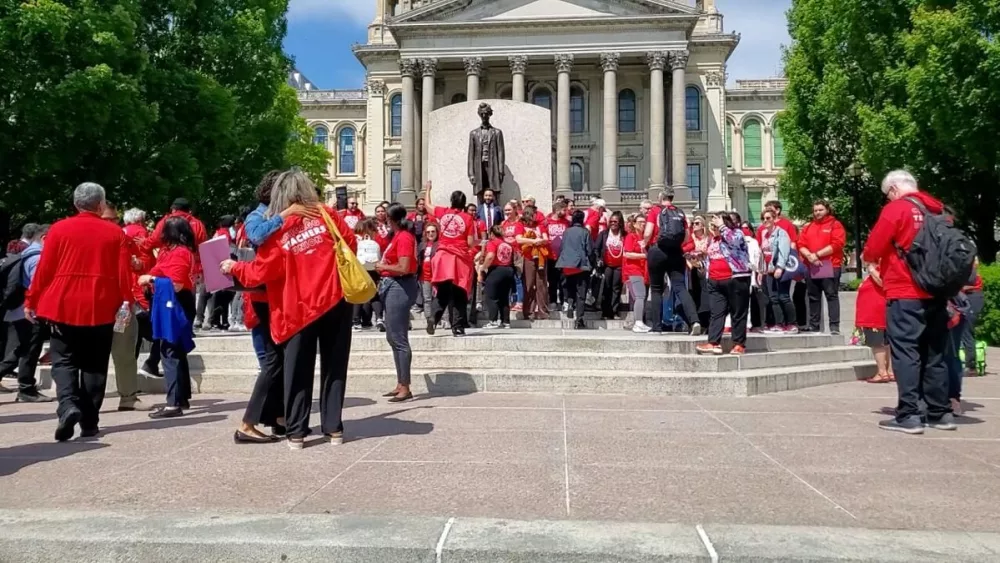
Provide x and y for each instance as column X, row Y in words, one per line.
column 444, row 537
column 566, row 455
column 338, row 475
column 714, row 555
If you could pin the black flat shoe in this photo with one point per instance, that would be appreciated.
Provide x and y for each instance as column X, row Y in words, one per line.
column 279, row 430
column 67, row 425
column 166, row 413
column 240, row 437
column 401, row 398
column 390, row 394
column 431, row 326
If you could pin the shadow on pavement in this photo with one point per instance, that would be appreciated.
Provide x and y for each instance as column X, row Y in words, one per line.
column 159, row 424
column 384, row 425
column 16, row 458
column 28, row 418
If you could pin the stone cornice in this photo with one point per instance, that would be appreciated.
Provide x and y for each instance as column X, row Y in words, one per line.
column 658, row 22
column 646, row 7
column 371, row 53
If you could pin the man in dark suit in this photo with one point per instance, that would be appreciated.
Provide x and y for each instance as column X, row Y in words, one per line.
column 489, row 211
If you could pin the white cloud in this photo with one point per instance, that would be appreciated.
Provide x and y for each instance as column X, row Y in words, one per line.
column 355, row 11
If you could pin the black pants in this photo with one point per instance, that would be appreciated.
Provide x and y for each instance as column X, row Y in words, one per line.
column 455, row 297
column 497, row 287
column 330, row 336
column 611, row 291
column 557, row 284
column 80, row 356
column 26, row 340
column 781, row 301
column 205, row 302
column 367, row 314
column 799, row 302
column 670, row 263
column 758, row 307
column 729, row 297
column 976, row 304
column 267, row 401
column 176, row 369
column 831, row 288
column 220, row 308
column 699, row 293
column 918, row 341
column 576, row 291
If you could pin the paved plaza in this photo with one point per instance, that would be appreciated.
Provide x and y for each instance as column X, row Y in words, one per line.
column 812, row 457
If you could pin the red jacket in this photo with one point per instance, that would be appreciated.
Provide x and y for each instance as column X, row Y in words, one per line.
column 83, row 275
column 828, row 231
column 197, row 227
column 869, row 311
column 898, row 225
column 135, row 232
column 299, row 267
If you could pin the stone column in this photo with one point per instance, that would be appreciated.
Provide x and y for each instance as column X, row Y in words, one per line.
column 609, row 140
column 418, row 152
column 564, row 64
column 518, row 65
column 657, row 61
column 473, row 68
column 375, row 145
column 678, row 125
column 407, row 191
column 429, row 68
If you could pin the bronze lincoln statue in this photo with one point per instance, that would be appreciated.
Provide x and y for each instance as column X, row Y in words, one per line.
column 486, row 155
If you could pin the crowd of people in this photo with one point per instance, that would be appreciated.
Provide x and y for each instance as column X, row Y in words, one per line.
column 96, row 289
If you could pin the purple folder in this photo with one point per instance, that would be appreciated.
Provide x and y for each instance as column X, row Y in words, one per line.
column 822, row 272
column 212, row 253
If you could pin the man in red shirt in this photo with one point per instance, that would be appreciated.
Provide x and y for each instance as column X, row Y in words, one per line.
column 917, row 325
column 821, row 243
column 555, row 226
column 352, row 214
column 667, row 261
column 82, row 280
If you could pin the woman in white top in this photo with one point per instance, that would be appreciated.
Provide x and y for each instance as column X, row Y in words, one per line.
column 369, row 254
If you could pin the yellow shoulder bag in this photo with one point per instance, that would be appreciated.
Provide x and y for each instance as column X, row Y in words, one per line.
column 355, row 281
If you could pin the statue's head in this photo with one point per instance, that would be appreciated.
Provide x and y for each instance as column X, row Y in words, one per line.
column 485, row 111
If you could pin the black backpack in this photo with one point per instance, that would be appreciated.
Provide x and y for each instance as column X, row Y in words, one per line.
column 941, row 257
column 11, row 273
column 673, row 228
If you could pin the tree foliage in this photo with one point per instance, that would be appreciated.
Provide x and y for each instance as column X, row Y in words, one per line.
column 154, row 99
column 890, row 84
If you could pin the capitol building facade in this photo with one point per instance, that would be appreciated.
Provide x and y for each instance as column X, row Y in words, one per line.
column 637, row 90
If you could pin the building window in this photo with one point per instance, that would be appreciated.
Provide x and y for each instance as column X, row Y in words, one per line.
column 752, row 156
column 458, row 98
column 694, row 181
column 626, row 111
column 729, row 144
column 396, row 116
column 542, row 97
column 577, row 115
column 347, row 151
column 692, row 108
column 755, row 206
column 576, row 177
column 507, row 93
column 626, row 178
column 395, row 183
column 321, row 136
column 777, row 147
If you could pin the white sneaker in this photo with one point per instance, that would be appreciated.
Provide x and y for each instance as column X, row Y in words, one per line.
column 641, row 327
column 565, row 307
column 492, row 325
column 774, row 330
column 504, row 325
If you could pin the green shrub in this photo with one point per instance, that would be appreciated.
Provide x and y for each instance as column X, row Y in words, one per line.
column 989, row 321
column 852, row 285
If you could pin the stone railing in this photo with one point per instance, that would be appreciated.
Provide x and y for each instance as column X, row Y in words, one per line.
column 331, row 95
column 763, row 84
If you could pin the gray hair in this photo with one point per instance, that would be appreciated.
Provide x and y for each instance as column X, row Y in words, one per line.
column 901, row 179
column 598, row 202
column 134, row 215
column 88, row 196
column 291, row 187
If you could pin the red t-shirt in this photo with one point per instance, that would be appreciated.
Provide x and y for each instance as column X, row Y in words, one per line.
column 481, row 229
column 176, row 263
column 503, row 252
column 613, row 250
column 788, row 227
column 869, row 311
column 352, row 217
column 555, row 228
column 718, row 266
column 511, row 229
column 632, row 267
column 403, row 245
column 455, row 228
column 425, row 270
column 223, row 232
column 592, row 221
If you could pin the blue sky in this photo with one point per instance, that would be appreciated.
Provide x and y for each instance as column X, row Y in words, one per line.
column 321, row 32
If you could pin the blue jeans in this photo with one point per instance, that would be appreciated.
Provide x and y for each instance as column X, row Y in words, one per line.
column 518, row 289
column 257, row 334
column 955, row 368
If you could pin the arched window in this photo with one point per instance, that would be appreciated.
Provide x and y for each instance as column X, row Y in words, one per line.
column 777, row 147
column 626, row 111
column 729, row 144
column 576, row 177
column 507, row 93
column 752, row 155
column 692, row 108
column 396, row 116
column 542, row 97
column 458, row 98
column 321, row 136
column 577, row 113
column 347, row 151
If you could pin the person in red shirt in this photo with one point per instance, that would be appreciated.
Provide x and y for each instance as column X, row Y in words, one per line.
column 352, row 214
column 498, row 275
column 869, row 316
column 534, row 243
column 176, row 262
column 419, row 219
column 452, row 265
column 665, row 261
column 555, row 227
column 530, row 200
column 821, row 244
column 594, row 216
column 425, row 254
column 512, row 227
column 298, row 267
column 728, row 284
column 634, row 271
column 610, row 250
column 81, row 282
column 382, row 228
column 917, row 324
column 398, row 292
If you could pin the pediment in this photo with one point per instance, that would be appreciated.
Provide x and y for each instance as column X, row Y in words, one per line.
column 506, row 11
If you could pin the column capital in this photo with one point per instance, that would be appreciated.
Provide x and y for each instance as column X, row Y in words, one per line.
column 715, row 78
column 375, row 87
column 679, row 59
column 473, row 65
column 518, row 63
column 657, row 60
column 428, row 67
column 564, row 62
column 408, row 67
column 609, row 61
